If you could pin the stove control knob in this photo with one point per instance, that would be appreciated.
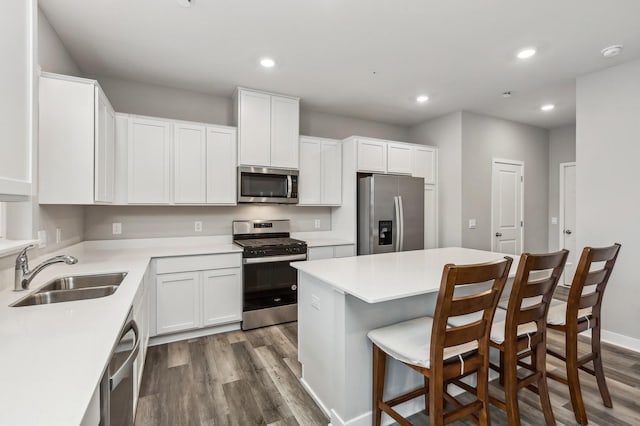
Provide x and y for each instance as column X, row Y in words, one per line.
column 294, row 287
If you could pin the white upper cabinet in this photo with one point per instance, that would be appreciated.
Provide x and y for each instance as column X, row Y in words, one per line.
column 268, row 129
column 320, row 182
column 285, row 129
column 17, row 32
column 372, row 155
column 399, row 158
column 77, row 126
column 254, row 128
column 149, row 161
column 221, row 165
column 190, row 162
column 425, row 161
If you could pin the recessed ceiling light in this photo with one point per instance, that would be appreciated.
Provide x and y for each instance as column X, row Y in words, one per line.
column 507, row 94
column 422, row 99
column 185, row 3
column 611, row 51
column 526, row 53
column 547, row 107
column 267, row 62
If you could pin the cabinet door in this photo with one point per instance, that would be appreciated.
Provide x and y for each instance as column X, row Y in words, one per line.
column 178, row 304
column 221, row 296
column 430, row 217
column 221, row 166
column 104, row 172
column 424, row 164
column 309, row 182
column 285, row 132
column 399, row 159
column 254, row 128
column 317, row 253
column 189, row 176
column 344, row 251
column 372, row 156
column 149, row 161
column 331, row 173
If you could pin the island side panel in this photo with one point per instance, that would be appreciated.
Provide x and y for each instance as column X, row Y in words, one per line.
column 320, row 333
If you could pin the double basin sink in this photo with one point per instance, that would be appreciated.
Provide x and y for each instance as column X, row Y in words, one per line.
column 78, row 287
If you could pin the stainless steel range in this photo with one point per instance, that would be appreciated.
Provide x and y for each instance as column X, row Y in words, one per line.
column 269, row 284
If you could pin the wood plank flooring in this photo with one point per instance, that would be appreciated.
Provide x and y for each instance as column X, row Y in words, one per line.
column 251, row 378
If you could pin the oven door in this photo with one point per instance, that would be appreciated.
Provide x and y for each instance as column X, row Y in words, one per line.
column 270, row 282
column 264, row 185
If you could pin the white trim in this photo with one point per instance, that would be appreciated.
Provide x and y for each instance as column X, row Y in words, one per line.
column 315, row 398
column 563, row 166
column 495, row 161
column 192, row 334
column 620, row 340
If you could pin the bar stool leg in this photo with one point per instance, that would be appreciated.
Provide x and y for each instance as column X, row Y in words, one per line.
column 511, row 388
column 597, row 366
column 573, row 378
column 543, row 389
column 379, row 368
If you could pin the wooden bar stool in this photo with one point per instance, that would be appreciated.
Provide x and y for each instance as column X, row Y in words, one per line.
column 523, row 333
column 442, row 353
column 581, row 313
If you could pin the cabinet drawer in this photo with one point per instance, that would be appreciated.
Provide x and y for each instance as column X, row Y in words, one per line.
column 168, row 265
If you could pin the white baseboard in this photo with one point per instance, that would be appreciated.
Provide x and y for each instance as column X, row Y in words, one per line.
column 192, row 334
column 621, row 340
column 313, row 396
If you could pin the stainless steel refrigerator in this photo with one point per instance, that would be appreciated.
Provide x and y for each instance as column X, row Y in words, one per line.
column 390, row 214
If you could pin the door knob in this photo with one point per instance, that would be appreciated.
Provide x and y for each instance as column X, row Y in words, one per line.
column 567, row 231
column 498, row 234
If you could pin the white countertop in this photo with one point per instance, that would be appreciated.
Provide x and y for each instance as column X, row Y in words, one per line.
column 52, row 356
column 382, row 277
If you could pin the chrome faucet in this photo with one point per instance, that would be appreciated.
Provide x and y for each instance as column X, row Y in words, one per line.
column 24, row 276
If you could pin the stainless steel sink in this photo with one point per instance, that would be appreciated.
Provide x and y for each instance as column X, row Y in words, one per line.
column 84, row 281
column 68, row 289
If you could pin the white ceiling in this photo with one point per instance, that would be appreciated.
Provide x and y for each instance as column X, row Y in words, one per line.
column 460, row 52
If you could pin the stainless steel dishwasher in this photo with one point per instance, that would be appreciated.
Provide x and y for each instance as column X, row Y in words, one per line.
column 116, row 387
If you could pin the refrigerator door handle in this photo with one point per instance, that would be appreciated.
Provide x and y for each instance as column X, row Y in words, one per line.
column 401, row 223
column 398, row 220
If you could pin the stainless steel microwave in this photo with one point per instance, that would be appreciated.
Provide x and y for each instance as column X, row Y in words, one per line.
column 266, row 185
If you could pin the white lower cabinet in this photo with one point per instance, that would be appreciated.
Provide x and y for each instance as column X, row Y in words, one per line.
column 197, row 291
column 178, row 297
column 331, row 252
column 221, row 296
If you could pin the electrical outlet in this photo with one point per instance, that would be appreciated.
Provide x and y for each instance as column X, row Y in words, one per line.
column 117, row 228
column 58, row 235
column 472, row 224
column 317, row 224
column 554, row 220
column 42, row 238
column 197, row 226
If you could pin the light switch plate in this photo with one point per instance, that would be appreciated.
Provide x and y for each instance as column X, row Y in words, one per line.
column 472, row 224
column 58, row 235
column 317, row 224
column 315, row 302
column 117, row 228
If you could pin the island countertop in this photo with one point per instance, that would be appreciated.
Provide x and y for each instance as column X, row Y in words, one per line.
column 383, row 277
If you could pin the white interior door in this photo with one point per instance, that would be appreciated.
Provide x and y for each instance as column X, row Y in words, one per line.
column 506, row 206
column 568, row 218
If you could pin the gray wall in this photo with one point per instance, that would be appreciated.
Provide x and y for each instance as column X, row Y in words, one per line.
column 173, row 221
column 483, row 139
column 607, row 176
column 562, row 149
column 446, row 133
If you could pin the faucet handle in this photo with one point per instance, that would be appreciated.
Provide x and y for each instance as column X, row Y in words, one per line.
column 24, row 250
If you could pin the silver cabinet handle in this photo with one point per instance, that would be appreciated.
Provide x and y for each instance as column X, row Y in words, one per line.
column 498, row 234
column 568, row 231
column 119, row 375
column 271, row 259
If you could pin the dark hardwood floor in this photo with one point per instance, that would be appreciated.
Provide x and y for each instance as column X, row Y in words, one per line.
column 251, row 378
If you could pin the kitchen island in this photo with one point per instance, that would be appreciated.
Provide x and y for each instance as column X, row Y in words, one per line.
column 340, row 300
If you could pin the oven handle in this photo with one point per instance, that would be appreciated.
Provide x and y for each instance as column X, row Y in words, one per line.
column 271, row 259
